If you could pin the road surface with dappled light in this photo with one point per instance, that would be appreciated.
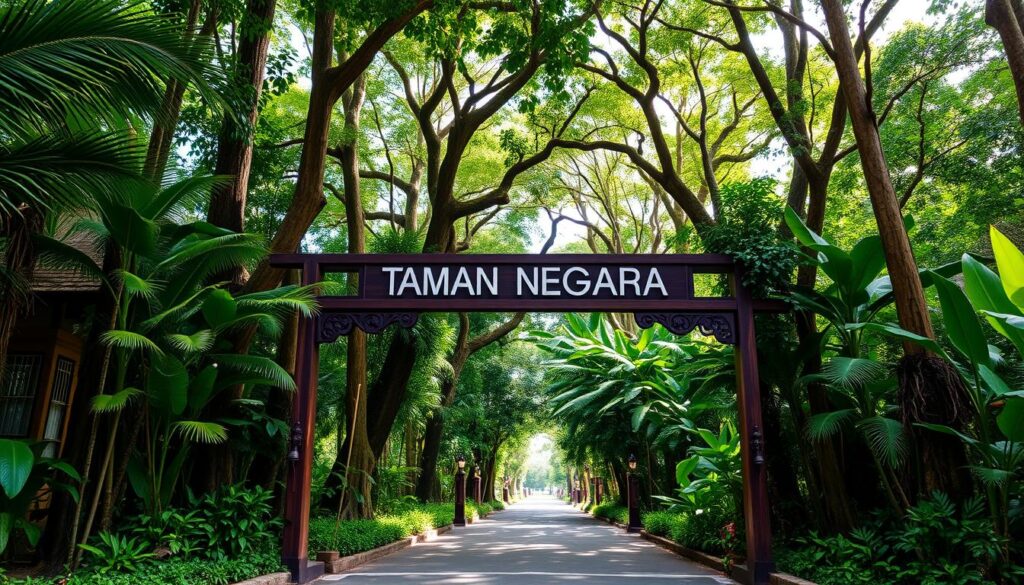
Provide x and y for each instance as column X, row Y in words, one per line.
column 538, row 541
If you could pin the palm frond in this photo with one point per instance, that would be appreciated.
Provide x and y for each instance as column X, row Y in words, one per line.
column 887, row 438
column 256, row 365
column 198, row 342
column 827, row 424
column 853, row 372
column 129, row 340
column 201, row 431
column 55, row 170
column 80, row 60
column 105, row 403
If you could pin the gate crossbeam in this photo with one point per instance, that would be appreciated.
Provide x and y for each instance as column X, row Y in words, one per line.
column 393, row 289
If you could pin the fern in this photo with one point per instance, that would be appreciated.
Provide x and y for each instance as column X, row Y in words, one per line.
column 827, row 424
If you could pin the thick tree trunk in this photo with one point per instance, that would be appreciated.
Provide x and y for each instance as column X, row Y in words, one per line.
column 1007, row 17
column 356, row 459
column 234, row 149
column 162, row 136
column 924, row 389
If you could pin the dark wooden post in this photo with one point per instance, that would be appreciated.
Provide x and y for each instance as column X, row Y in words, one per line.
column 477, row 489
column 633, row 481
column 748, row 399
column 460, row 498
column 294, row 553
column 504, row 492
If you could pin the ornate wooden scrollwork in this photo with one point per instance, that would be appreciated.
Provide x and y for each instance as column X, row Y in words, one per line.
column 334, row 325
column 721, row 325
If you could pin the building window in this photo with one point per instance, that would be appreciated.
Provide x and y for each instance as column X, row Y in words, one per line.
column 18, row 393
column 63, row 376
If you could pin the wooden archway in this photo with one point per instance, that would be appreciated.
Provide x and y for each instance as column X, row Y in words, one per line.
column 395, row 288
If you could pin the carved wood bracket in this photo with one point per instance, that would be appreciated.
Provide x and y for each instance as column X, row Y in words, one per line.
column 722, row 325
column 333, row 325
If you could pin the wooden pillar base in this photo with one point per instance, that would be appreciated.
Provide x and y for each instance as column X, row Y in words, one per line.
column 304, row 570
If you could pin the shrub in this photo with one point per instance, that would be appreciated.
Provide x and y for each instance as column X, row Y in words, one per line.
column 935, row 543
column 659, row 522
column 349, row 537
column 497, row 504
column 175, row 571
column 612, row 511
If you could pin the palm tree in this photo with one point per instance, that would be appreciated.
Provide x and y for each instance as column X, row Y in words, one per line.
column 74, row 77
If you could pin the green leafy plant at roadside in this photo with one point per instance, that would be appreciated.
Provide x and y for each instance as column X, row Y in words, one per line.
column 116, row 553
column 349, row 537
column 936, row 543
column 174, row 571
column 235, row 521
column 25, row 477
column 611, row 511
column 995, row 442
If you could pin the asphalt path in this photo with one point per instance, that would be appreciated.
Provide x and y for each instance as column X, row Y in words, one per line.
column 538, row 541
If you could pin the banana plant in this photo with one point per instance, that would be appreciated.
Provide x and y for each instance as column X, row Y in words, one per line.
column 997, row 442
column 858, row 383
column 170, row 337
column 711, row 470
column 25, row 477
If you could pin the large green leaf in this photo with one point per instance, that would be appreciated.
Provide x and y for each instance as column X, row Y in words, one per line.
column 104, row 403
column 219, row 308
column 129, row 341
column 167, row 385
column 6, row 524
column 16, row 461
column 903, row 335
column 961, row 321
column 129, row 229
column 255, row 365
column 987, row 294
column 201, row 388
column 803, row 233
column 1010, row 261
column 1011, row 419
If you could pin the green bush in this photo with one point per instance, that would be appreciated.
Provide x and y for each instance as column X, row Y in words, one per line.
column 612, row 511
column 349, row 537
column 497, row 504
column 936, row 543
column 175, row 571
column 660, row 522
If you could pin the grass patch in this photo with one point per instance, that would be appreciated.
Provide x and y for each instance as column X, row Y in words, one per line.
column 349, row 537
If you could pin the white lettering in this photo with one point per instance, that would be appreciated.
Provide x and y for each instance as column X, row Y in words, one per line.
column 654, row 281
column 522, row 277
column 604, row 280
column 492, row 282
column 550, row 279
column 633, row 280
column 435, row 286
column 583, row 282
column 391, row 270
column 462, row 281
column 409, row 281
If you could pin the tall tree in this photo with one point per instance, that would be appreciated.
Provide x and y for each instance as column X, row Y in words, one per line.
column 234, row 149
column 1007, row 17
column 929, row 390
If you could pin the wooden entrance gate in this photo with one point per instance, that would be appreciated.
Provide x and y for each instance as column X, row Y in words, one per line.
column 395, row 289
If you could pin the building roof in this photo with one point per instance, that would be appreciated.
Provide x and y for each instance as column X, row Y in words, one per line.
column 51, row 279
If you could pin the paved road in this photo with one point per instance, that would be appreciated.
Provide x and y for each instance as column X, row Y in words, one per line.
column 539, row 541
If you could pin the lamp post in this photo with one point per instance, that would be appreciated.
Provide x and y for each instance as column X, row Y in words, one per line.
column 477, row 492
column 586, row 483
column 460, row 493
column 633, row 496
